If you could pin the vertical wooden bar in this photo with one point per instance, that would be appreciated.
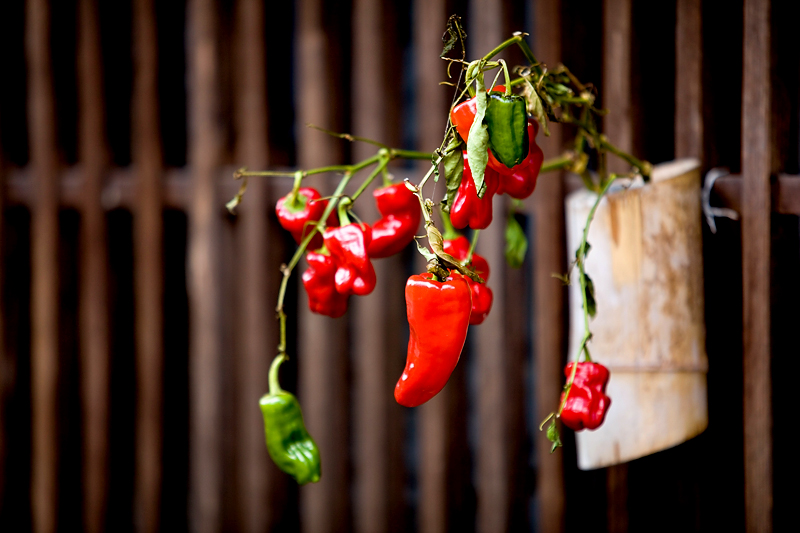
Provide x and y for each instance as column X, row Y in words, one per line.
column 261, row 485
column 492, row 461
column 322, row 347
column 756, row 253
column 434, row 417
column 44, row 234
column 616, row 95
column 377, row 417
column 689, row 80
column 203, row 269
column 618, row 126
column 94, row 286
column 149, row 289
column 549, row 256
column 322, row 342
column 6, row 383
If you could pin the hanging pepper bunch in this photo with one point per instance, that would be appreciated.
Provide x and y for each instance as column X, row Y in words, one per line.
column 489, row 149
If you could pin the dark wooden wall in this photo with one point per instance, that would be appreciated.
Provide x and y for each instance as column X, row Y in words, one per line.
column 136, row 315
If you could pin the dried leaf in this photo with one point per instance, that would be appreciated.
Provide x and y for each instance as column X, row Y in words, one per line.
column 453, row 170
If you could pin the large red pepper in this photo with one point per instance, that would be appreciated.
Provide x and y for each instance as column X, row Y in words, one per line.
column 348, row 246
column 482, row 296
column 520, row 180
column 467, row 208
column 323, row 298
column 587, row 402
column 298, row 215
column 400, row 215
column 438, row 319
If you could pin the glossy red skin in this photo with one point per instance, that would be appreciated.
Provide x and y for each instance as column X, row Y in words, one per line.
column 438, row 318
column 534, row 157
column 400, row 216
column 467, row 208
column 482, row 296
column 318, row 279
column 463, row 115
column 297, row 222
column 587, row 402
column 520, row 181
column 348, row 248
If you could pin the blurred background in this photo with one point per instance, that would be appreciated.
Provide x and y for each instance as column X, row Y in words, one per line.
column 137, row 315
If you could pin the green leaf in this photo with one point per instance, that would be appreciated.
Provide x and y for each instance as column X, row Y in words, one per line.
column 425, row 252
column 516, row 242
column 478, row 143
column 591, row 303
column 553, row 435
column 453, row 170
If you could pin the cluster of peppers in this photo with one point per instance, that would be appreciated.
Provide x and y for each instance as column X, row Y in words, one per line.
column 514, row 157
column 340, row 260
column 440, row 304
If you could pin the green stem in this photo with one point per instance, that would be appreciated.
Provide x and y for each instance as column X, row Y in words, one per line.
column 374, row 174
column 410, row 154
column 581, row 257
column 274, row 385
column 644, row 167
column 287, row 269
column 472, row 246
column 344, row 205
column 450, row 232
column 557, row 163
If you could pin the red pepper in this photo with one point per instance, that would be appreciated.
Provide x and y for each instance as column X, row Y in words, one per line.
column 400, row 212
column 467, row 208
column 348, row 246
column 323, row 298
column 463, row 115
column 520, row 180
column 587, row 402
column 482, row 296
column 438, row 318
column 298, row 219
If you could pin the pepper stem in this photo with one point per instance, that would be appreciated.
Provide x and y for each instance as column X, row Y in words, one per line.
column 294, row 197
column 450, row 232
column 274, row 385
column 342, row 209
column 472, row 245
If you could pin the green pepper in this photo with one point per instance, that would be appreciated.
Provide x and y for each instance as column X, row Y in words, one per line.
column 288, row 442
column 507, row 120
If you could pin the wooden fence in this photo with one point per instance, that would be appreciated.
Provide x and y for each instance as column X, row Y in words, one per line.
column 137, row 320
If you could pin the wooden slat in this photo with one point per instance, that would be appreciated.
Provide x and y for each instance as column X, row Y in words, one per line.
column 785, row 193
column 261, row 486
column 94, row 285
column 322, row 346
column 549, row 256
column 488, row 339
column 376, row 349
column 756, row 253
column 434, row 417
column 44, row 236
column 616, row 90
column 618, row 126
column 7, row 377
column 203, row 269
column 149, row 290
column 689, row 80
